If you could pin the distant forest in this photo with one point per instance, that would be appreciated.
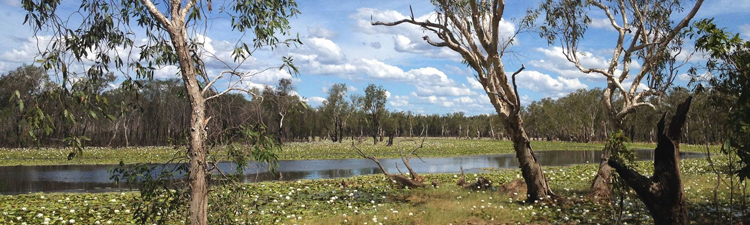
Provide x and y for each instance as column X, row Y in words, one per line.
column 157, row 113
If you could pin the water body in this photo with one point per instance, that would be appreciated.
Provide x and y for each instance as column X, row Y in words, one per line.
column 96, row 178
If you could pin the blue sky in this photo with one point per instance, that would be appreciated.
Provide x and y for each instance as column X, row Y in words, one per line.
column 340, row 46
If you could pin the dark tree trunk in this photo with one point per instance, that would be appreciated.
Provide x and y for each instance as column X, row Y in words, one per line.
column 390, row 139
column 341, row 131
column 662, row 193
column 536, row 182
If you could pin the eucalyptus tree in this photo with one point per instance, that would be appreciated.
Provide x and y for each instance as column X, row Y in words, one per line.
column 99, row 35
column 728, row 85
column 337, row 110
column 373, row 104
column 646, row 37
column 18, row 87
column 472, row 29
column 280, row 101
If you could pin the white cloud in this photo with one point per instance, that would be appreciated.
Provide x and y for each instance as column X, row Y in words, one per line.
column 474, row 83
column 270, row 77
column 602, row 23
column 464, row 100
column 684, row 77
column 443, row 91
column 26, row 51
column 167, row 72
column 557, row 63
column 325, row 50
column 465, row 71
column 407, row 38
column 539, row 82
column 322, row 32
column 315, row 101
column 399, row 101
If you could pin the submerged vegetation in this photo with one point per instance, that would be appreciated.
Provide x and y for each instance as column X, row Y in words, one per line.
column 373, row 200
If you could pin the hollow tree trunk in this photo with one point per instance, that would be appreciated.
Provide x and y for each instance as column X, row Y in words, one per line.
column 531, row 171
column 198, row 178
column 662, row 193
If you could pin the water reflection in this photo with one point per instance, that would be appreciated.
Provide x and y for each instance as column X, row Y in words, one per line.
column 95, row 178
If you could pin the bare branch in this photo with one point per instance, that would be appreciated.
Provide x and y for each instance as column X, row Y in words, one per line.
column 233, row 86
column 515, row 88
column 187, row 8
column 156, row 13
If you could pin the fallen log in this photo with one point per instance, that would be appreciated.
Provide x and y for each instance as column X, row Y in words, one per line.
column 415, row 181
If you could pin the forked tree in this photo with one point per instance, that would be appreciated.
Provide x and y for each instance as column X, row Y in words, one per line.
column 646, row 52
column 663, row 192
column 472, row 29
column 101, row 36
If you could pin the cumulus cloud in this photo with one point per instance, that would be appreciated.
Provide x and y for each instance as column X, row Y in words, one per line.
column 443, row 91
column 539, row 82
column 684, row 77
column 407, row 38
column 465, row 71
column 322, row 32
column 315, row 101
column 325, row 50
column 167, row 72
column 474, row 83
column 557, row 63
column 26, row 51
column 602, row 23
column 427, row 80
column 418, row 103
column 399, row 101
column 375, row 45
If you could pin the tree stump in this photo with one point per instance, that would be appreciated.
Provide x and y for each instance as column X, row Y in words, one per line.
column 662, row 193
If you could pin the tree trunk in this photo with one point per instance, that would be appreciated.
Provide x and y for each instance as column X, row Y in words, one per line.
column 280, row 131
column 536, row 182
column 198, row 179
column 662, row 193
column 600, row 187
column 341, row 131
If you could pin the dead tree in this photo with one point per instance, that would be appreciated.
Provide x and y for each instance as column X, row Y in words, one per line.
column 415, row 180
column 662, row 193
column 471, row 28
column 481, row 183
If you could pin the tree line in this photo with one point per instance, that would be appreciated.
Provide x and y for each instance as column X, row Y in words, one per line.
column 157, row 113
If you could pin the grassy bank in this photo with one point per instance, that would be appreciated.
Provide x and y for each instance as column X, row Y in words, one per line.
column 373, row 200
column 434, row 147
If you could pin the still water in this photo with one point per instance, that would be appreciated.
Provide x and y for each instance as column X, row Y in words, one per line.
column 95, row 178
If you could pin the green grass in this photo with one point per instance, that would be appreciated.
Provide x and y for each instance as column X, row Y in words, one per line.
column 433, row 147
column 373, row 200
